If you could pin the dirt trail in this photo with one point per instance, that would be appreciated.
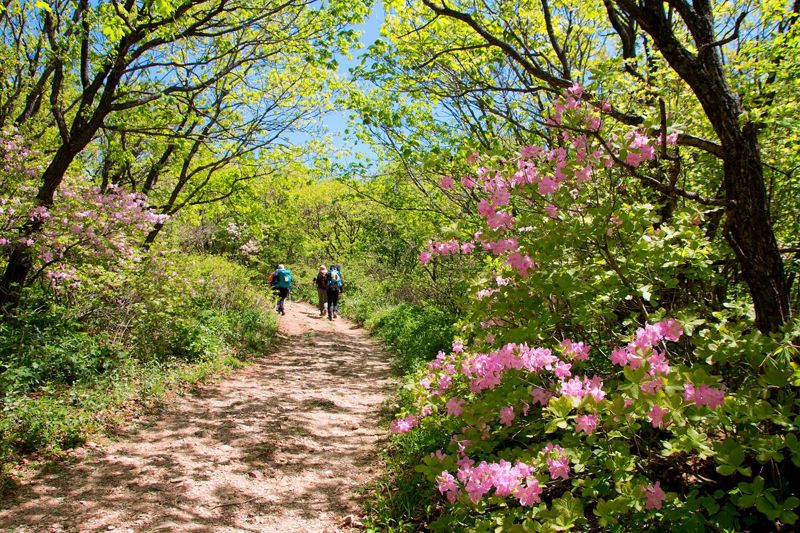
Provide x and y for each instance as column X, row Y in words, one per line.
column 282, row 445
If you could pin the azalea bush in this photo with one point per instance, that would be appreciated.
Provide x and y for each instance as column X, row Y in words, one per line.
column 609, row 373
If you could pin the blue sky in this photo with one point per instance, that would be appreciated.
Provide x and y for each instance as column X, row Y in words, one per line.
column 336, row 122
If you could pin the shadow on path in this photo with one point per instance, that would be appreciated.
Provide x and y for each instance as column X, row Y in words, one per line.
column 283, row 445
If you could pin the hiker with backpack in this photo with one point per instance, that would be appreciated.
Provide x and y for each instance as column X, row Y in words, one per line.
column 322, row 288
column 282, row 282
column 334, row 286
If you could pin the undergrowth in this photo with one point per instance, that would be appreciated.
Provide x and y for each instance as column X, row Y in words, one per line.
column 401, row 500
column 66, row 376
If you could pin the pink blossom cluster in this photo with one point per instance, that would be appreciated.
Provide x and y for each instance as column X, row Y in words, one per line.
column 557, row 461
column 500, row 246
column 404, row 425
column 486, row 370
column 496, row 220
column 506, row 479
column 586, row 423
column 438, row 383
column 656, row 416
column 583, row 387
column 548, row 169
column 577, row 351
column 521, row 263
column 16, row 155
column 451, row 247
column 640, row 149
column 646, row 338
column 654, row 496
column 712, row 397
column 85, row 225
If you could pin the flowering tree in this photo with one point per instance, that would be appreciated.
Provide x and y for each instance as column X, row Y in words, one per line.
column 552, row 424
column 87, row 228
column 493, row 69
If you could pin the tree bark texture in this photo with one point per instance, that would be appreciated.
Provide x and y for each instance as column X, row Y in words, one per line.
column 748, row 227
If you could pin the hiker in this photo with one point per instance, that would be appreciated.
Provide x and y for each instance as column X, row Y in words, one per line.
column 334, row 286
column 322, row 288
column 282, row 279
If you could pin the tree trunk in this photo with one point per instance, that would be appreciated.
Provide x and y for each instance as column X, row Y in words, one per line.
column 748, row 227
column 20, row 262
column 152, row 234
column 748, row 230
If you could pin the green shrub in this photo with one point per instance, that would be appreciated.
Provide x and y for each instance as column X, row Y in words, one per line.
column 255, row 329
column 66, row 369
column 43, row 423
column 414, row 333
column 49, row 348
column 403, row 499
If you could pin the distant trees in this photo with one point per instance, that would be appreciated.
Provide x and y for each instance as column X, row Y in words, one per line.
column 174, row 93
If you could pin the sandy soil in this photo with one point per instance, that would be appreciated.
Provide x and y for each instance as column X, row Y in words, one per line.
column 286, row 444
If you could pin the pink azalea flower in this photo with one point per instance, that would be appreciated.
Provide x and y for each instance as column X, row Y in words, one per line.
column 424, row 257
column 562, row 370
column 507, row 415
column 634, row 159
column 455, row 406
column 404, row 425
column 586, row 423
column 577, row 350
column 446, row 183
column 584, row 175
column 541, row 396
column 558, row 467
column 573, row 387
column 593, row 123
column 576, row 90
column 704, row 395
column 446, row 482
column 529, row 152
column 656, row 415
column 670, row 329
column 547, row 185
column 652, row 386
column 619, row 356
column 658, row 364
column 594, row 388
column 529, row 494
column 655, row 496
column 522, row 263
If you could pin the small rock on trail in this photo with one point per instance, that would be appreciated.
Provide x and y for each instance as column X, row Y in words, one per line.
column 285, row 444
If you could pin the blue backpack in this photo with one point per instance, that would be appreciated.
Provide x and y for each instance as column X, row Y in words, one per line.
column 333, row 279
column 284, row 279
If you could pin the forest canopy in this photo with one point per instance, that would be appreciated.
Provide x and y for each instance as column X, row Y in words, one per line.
column 580, row 233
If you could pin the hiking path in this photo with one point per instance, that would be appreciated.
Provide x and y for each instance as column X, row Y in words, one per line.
column 286, row 444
